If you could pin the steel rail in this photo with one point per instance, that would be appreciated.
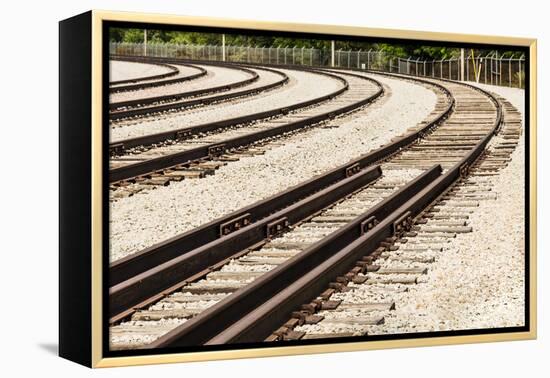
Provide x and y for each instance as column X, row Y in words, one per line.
column 149, row 102
column 261, row 321
column 125, row 296
column 150, row 139
column 217, row 318
column 149, row 84
column 173, row 71
column 131, row 265
column 432, row 81
column 201, row 101
column 145, row 259
column 246, row 318
column 163, row 162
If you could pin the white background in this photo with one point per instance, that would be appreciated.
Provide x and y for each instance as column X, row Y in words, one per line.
column 29, row 186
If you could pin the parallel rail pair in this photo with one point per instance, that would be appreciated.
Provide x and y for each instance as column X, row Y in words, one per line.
column 177, row 101
column 251, row 312
column 153, row 80
column 158, row 164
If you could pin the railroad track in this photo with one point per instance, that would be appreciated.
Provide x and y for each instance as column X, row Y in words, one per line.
column 171, row 72
column 358, row 306
column 264, row 285
column 123, row 270
column 152, row 106
column 352, row 198
column 181, row 72
column 201, row 155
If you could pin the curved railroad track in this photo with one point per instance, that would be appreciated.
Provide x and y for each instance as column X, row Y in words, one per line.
column 182, row 72
column 136, row 79
column 366, row 294
column 198, row 97
column 181, row 155
column 275, row 268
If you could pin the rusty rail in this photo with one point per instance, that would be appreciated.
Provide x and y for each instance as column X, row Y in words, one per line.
column 253, row 312
column 148, row 258
column 163, row 162
column 221, row 316
column 145, row 287
column 163, row 103
column 173, row 71
column 156, row 83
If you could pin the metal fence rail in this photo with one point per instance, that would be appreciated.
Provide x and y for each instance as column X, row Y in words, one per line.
column 490, row 69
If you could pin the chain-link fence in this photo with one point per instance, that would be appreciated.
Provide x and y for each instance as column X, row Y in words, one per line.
column 489, row 69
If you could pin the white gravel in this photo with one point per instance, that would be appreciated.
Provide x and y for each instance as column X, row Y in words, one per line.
column 478, row 280
column 266, row 77
column 119, row 70
column 215, row 76
column 144, row 219
column 304, row 86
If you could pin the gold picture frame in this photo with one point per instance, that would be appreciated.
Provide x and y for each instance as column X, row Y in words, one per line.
column 96, row 19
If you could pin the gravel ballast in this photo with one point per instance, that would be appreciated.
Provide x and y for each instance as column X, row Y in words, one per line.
column 139, row 221
column 477, row 281
column 120, row 70
column 303, row 86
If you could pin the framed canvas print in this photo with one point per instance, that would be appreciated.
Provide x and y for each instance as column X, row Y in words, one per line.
column 234, row 189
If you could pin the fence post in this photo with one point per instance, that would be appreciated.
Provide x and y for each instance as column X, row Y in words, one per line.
column 492, row 69
column 223, row 47
column 368, row 59
column 519, row 70
column 467, row 68
column 485, row 65
column 500, row 71
column 144, row 42
column 462, row 64
column 332, row 53
column 510, row 71
column 311, row 56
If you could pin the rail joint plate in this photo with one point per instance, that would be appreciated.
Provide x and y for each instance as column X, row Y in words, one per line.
column 117, row 149
column 276, row 227
column 235, row 224
column 402, row 224
column 352, row 169
column 368, row 224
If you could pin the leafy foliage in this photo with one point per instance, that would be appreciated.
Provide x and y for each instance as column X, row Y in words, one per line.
column 194, row 38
